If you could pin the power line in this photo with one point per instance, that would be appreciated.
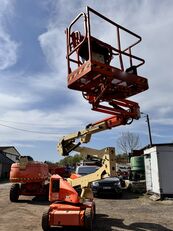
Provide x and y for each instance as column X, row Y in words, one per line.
column 16, row 122
column 25, row 123
column 25, row 130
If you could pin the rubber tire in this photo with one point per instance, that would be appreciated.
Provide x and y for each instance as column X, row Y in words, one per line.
column 45, row 221
column 94, row 210
column 14, row 192
column 119, row 195
column 88, row 222
column 97, row 195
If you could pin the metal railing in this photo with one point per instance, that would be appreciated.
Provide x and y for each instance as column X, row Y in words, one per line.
column 87, row 36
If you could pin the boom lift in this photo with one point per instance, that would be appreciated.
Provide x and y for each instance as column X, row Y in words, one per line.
column 29, row 178
column 106, row 85
column 70, row 208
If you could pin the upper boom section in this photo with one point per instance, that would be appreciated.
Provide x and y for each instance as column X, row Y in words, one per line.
column 101, row 63
column 68, row 142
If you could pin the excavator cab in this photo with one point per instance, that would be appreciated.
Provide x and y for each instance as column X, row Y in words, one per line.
column 106, row 74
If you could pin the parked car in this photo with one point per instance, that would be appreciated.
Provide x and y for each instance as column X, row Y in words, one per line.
column 86, row 169
column 109, row 185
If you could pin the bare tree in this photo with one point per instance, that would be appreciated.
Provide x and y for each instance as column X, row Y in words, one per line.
column 128, row 142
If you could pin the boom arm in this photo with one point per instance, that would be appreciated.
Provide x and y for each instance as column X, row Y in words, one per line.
column 107, row 155
column 67, row 143
column 106, row 87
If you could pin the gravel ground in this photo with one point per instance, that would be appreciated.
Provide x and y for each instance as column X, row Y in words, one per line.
column 131, row 212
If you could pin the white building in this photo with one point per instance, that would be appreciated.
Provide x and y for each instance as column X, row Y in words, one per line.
column 159, row 170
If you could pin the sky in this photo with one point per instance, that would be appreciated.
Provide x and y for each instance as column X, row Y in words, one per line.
column 37, row 108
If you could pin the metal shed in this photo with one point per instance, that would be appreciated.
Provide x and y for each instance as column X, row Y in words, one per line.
column 159, row 169
column 8, row 155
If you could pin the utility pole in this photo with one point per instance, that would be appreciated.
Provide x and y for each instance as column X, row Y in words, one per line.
column 149, row 128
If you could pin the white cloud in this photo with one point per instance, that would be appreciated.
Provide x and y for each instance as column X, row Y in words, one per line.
column 155, row 48
column 16, row 92
column 8, row 47
column 39, row 125
column 20, row 91
column 53, row 45
column 10, row 101
column 47, row 82
column 8, row 50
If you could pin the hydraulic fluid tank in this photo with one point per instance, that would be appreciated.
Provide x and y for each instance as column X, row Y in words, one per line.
column 31, row 172
column 137, row 163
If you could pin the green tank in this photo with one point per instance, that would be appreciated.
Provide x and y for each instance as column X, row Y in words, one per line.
column 137, row 163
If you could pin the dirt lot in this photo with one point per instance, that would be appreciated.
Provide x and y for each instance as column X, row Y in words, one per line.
column 132, row 212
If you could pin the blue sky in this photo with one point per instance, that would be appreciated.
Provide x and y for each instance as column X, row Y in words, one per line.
column 33, row 91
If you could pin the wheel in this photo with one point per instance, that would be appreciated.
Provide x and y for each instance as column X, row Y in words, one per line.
column 119, row 195
column 96, row 194
column 45, row 221
column 88, row 222
column 94, row 210
column 14, row 192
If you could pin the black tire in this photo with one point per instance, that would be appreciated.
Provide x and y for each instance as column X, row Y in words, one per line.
column 97, row 195
column 45, row 221
column 94, row 210
column 14, row 192
column 88, row 222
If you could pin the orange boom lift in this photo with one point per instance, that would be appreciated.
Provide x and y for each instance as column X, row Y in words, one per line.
column 105, row 71
column 29, row 178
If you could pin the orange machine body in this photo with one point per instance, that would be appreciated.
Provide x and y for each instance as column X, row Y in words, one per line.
column 68, row 214
column 61, row 190
column 66, row 209
column 32, row 172
column 29, row 179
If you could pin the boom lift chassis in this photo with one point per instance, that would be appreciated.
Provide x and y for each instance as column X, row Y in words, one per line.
column 97, row 69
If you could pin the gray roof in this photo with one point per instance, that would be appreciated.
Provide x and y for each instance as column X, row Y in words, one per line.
column 9, row 150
